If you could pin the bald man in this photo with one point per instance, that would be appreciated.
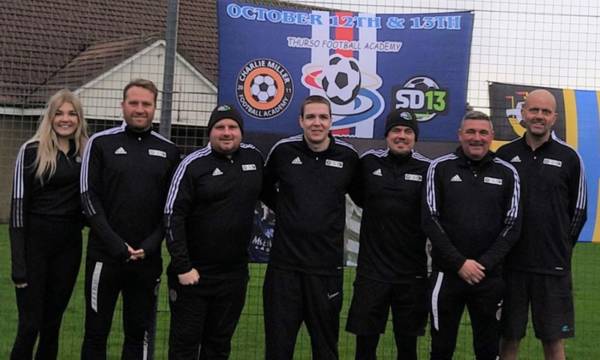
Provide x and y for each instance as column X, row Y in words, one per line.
column 554, row 212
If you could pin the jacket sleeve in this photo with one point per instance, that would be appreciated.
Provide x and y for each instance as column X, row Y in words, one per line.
column 178, row 206
column 22, row 181
column 269, row 189
column 577, row 200
column 151, row 244
column 91, row 195
column 357, row 187
column 445, row 254
column 512, row 226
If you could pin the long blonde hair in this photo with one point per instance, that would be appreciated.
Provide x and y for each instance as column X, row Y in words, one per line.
column 45, row 160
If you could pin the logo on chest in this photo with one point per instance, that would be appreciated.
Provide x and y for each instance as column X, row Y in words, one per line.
column 455, row 178
column 120, row 151
column 334, row 163
column 217, row 172
column 413, row 177
column 297, row 161
column 248, row 167
column 377, row 172
column 552, row 162
column 159, row 153
column 516, row 159
column 492, row 180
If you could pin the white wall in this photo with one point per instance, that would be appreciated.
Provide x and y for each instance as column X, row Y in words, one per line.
column 194, row 97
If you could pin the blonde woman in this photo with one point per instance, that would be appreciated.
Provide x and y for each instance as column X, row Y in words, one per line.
column 45, row 225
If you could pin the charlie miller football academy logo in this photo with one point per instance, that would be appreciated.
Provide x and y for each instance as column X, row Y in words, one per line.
column 264, row 88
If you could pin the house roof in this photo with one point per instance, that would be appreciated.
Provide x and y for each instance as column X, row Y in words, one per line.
column 90, row 63
column 49, row 44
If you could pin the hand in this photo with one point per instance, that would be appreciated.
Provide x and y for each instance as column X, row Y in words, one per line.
column 138, row 254
column 135, row 254
column 21, row 285
column 472, row 272
column 189, row 278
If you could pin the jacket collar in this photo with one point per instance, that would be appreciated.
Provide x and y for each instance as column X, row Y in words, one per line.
column 137, row 133
column 548, row 142
column 399, row 159
column 72, row 148
column 326, row 151
column 467, row 162
column 223, row 156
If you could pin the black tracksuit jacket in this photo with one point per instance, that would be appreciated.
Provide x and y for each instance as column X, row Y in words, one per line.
column 125, row 176
column 471, row 211
column 209, row 212
column 309, row 204
column 392, row 243
column 554, row 205
column 57, row 198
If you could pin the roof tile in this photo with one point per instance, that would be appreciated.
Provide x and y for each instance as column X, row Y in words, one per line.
column 55, row 43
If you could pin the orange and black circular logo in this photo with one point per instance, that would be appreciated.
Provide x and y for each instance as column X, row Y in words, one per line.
column 264, row 88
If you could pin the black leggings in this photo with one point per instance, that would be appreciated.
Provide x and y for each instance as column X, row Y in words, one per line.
column 53, row 259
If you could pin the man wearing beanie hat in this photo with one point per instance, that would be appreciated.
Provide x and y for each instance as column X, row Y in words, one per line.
column 209, row 215
column 225, row 112
column 392, row 263
column 472, row 216
column 405, row 118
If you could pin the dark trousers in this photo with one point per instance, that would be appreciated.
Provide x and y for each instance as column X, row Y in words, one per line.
column 449, row 296
column 291, row 297
column 53, row 258
column 366, row 347
column 204, row 317
column 138, row 283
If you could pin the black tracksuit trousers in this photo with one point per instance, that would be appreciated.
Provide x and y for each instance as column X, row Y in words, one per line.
column 293, row 297
column 53, row 259
column 204, row 317
column 449, row 296
column 138, row 283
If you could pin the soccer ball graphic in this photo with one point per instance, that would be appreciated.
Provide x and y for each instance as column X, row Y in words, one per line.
column 424, row 84
column 263, row 88
column 341, row 80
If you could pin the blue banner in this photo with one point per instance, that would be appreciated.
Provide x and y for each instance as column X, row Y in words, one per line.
column 271, row 59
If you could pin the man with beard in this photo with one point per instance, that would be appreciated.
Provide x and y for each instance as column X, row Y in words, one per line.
column 125, row 175
column 392, row 262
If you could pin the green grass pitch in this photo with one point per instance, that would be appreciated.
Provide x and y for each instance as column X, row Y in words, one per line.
column 248, row 341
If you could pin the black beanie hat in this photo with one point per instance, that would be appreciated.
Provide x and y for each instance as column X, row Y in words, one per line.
column 225, row 111
column 402, row 117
